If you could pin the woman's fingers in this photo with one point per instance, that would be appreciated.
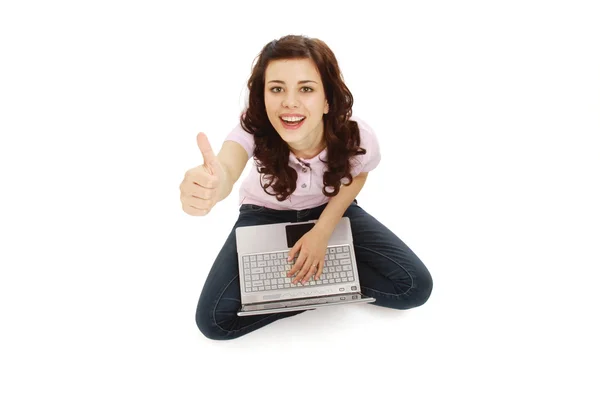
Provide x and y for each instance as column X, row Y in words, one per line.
column 301, row 272
column 300, row 261
column 312, row 271
column 319, row 270
column 308, row 270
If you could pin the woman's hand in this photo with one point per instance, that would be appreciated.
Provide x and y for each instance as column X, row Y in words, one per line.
column 312, row 248
column 202, row 186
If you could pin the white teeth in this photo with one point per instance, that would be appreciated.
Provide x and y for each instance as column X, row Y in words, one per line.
column 292, row 119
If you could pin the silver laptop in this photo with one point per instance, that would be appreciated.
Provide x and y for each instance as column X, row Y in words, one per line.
column 265, row 288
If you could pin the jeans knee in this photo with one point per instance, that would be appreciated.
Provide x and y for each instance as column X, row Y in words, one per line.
column 422, row 291
column 416, row 296
column 208, row 326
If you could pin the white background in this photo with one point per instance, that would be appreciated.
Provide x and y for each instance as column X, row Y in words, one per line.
column 488, row 118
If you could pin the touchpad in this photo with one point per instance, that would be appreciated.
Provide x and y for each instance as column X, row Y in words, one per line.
column 296, row 231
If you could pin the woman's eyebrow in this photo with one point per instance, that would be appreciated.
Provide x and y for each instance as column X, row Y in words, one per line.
column 299, row 82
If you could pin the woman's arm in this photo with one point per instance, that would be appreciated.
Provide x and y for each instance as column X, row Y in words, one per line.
column 334, row 211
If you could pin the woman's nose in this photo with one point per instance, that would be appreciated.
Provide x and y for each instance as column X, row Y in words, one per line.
column 290, row 101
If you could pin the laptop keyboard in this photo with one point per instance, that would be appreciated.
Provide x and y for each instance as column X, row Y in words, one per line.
column 268, row 271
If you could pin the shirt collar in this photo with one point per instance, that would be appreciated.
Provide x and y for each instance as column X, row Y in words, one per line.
column 297, row 160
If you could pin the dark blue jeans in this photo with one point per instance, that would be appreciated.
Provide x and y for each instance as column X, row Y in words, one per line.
column 388, row 271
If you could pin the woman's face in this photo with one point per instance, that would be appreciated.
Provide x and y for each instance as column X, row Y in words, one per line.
column 295, row 101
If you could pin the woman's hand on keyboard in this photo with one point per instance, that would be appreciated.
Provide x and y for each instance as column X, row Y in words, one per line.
column 311, row 249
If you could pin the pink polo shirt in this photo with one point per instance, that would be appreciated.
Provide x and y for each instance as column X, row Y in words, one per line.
column 309, row 186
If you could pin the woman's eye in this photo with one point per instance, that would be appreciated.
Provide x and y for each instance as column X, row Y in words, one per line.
column 304, row 89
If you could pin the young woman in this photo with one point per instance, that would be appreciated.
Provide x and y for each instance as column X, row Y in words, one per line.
column 312, row 159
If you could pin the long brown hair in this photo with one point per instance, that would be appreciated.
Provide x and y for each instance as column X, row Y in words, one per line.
column 341, row 134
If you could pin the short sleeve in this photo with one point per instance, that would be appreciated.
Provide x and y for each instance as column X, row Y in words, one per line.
column 368, row 141
column 239, row 135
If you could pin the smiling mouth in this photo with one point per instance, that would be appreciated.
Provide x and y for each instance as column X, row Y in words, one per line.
column 292, row 123
column 290, row 120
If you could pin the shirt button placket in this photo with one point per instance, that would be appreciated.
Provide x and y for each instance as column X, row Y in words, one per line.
column 304, row 169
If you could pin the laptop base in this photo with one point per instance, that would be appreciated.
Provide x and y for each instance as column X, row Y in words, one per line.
column 309, row 303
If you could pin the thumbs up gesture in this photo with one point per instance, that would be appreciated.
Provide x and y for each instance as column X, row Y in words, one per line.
column 201, row 186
